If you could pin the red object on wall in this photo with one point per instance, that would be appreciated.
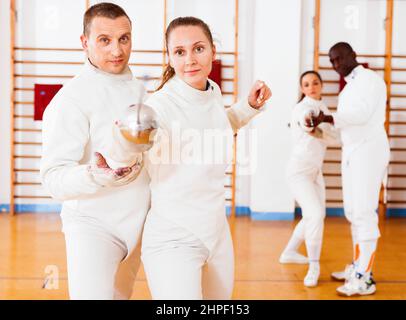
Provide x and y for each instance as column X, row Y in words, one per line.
column 342, row 82
column 43, row 94
column 215, row 73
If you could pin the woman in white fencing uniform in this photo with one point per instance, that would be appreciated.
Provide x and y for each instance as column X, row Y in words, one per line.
column 305, row 176
column 187, row 248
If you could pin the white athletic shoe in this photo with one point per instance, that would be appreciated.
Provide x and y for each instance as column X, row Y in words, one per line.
column 357, row 285
column 343, row 275
column 312, row 276
column 293, row 257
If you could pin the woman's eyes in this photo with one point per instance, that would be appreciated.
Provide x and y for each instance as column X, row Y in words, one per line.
column 199, row 49
column 180, row 52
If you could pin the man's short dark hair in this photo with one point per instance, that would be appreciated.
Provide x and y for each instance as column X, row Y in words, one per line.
column 103, row 9
column 343, row 46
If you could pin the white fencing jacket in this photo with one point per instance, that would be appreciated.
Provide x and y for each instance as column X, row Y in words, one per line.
column 78, row 122
column 309, row 151
column 361, row 109
column 192, row 151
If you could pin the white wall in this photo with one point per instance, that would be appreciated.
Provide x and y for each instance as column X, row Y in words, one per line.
column 276, row 60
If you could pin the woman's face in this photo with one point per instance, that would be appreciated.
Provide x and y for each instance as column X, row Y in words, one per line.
column 191, row 55
column 311, row 86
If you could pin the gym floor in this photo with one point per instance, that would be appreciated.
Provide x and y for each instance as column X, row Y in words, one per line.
column 32, row 251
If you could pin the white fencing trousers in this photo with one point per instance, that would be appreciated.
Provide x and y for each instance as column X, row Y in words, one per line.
column 308, row 188
column 98, row 265
column 178, row 266
column 362, row 174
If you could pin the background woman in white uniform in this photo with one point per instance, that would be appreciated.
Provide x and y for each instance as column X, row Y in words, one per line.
column 187, row 248
column 305, row 176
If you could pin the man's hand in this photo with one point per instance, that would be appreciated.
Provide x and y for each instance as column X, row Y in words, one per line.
column 322, row 118
column 108, row 177
column 315, row 120
column 259, row 94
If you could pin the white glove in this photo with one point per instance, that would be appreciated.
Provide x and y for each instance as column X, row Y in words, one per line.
column 105, row 176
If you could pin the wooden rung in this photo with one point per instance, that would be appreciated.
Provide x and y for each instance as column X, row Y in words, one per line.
column 227, row 79
column 398, row 69
column 227, row 93
column 331, row 81
column 400, row 123
column 398, row 82
column 23, row 116
column 28, row 143
column 398, row 95
column 330, row 94
column 26, row 170
column 396, row 188
column 227, row 66
column 398, row 149
column 23, row 89
column 396, row 136
column 333, row 200
column 397, row 175
column 148, row 51
column 27, row 130
column 24, row 102
column 26, row 157
column 332, row 161
column 48, row 62
column 333, row 188
column 27, row 183
column 228, row 186
column 139, row 64
column 228, row 199
column 332, row 174
column 47, row 49
column 371, row 68
column 231, row 53
column 229, row 173
column 42, row 76
column 32, row 197
column 397, row 109
column 398, row 56
column 397, row 162
column 360, row 55
column 396, row 201
column 148, row 78
column 334, row 148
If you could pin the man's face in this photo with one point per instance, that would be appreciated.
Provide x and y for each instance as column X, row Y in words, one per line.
column 343, row 61
column 108, row 44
